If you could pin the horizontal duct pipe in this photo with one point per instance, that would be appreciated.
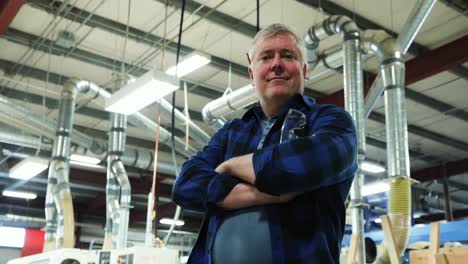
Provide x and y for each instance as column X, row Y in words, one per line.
column 133, row 156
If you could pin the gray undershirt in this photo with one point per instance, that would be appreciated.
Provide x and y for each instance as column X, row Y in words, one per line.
column 244, row 236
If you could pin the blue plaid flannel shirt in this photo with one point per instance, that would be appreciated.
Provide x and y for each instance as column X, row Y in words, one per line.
column 321, row 164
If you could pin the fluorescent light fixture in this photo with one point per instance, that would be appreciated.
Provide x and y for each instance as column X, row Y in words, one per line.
column 374, row 188
column 169, row 221
column 12, row 237
column 145, row 90
column 372, row 167
column 28, row 168
column 84, row 159
column 18, row 194
column 79, row 164
column 189, row 64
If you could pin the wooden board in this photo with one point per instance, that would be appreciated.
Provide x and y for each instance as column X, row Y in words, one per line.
column 445, row 256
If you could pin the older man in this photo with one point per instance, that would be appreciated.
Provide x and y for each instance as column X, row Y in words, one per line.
column 273, row 192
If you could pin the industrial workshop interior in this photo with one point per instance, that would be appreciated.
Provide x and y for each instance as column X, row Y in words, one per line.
column 103, row 101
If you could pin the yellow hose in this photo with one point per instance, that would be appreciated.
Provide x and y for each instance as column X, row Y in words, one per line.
column 49, row 245
column 107, row 241
column 399, row 212
column 68, row 221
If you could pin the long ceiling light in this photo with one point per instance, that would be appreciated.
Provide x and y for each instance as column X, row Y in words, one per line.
column 84, row 159
column 145, row 90
column 28, row 168
column 18, row 194
column 189, row 64
column 372, row 167
column 375, row 188
column 169, row 221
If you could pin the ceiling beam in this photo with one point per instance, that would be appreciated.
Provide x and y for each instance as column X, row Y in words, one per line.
column 438, row 60
column 457, row 214
column 425, row 133
column 96, row 21
column 441, row 193
column 111, row 26
column 437, row 105
column 452, row 168
column 461, row 6
column 215, row 16
column 413, row 153
column 458, row 185
column 415, row 69
column 8, row 11
column 26, row 39
column 364, row 23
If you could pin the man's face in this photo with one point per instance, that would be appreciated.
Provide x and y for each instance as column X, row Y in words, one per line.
column 276, row 70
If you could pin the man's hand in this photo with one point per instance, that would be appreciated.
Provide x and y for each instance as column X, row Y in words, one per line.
column 240, row 167
column 245, row 195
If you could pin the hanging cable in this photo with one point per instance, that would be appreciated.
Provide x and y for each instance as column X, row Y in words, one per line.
column 174, row 94
column 258, row 15
column 155, row 168
column 176, row 216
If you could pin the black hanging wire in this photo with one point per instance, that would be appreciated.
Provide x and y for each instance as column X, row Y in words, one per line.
column 174, row 94
column 258, row 15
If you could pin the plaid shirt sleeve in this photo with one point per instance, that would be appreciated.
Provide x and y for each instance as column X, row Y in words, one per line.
column 198, row 186
column 325, row 157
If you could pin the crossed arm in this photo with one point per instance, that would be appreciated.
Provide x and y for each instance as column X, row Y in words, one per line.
column 246, row 194
column 273, row 174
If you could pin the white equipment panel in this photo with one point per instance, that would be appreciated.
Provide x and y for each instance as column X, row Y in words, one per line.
column 59, row 256
column 133, row 255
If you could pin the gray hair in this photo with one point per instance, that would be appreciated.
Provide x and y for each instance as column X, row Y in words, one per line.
column 275, row 29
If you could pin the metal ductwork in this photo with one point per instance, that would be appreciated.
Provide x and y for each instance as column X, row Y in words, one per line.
column 198, row 134
column 409, row 31
column 391, row 80
column 118, row 185
column 327, row 62
column 59, row 206
column 24, row 119
column 164, row 135
column 233, row 101
column 392, row 72
column 133, row 156
column 94, row 92
column 354, row 104
column 398, row 162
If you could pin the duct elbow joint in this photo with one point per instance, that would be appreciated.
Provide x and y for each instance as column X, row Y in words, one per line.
column 207, row 117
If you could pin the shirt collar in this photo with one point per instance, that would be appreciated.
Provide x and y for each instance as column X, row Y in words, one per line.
column 297, row 101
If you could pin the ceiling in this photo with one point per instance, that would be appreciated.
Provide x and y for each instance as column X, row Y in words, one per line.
column 142, row 35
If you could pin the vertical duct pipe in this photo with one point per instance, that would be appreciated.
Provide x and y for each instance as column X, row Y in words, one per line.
column 50, row 212
column 398, row 157
column 392, row 72
column 118, row 185
column 125, row 202
column 149, row 237
column 418, row 15
column 448, row 203
column 59, row 191
column 354, row 104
